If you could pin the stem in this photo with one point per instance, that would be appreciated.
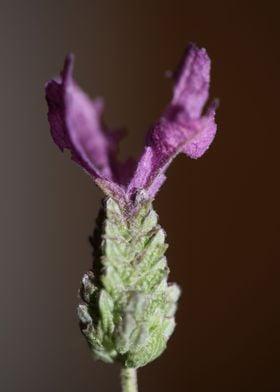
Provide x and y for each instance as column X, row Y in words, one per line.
column 129, row 380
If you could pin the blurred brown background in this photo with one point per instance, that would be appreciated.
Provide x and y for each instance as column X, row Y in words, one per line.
column 224, row 242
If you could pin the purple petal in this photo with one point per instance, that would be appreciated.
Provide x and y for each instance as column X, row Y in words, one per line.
column 182, row 128
column 56, row 114
column 156, row 185
column 191, row 85
column 206, row 131
column 142, row 173
column 165, row 141
column 76, row 124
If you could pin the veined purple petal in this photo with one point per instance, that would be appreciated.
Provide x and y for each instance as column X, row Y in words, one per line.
column 76, row 124
column 56, row 113
column 191, row 85
column 182, row 128
column 142, row 173
column 167, row 140
column 156, row 185
column 206, row 131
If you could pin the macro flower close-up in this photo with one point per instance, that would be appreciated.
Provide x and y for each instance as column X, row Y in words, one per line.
column 128, row 309
column 184, row 127
column 139, row 196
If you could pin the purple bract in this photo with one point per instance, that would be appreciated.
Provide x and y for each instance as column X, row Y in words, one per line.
column 76, row 124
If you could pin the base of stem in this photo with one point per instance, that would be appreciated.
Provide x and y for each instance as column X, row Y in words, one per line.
column 129, row 380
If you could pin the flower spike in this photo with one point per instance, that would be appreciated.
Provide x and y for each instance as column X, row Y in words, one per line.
column 128, row 309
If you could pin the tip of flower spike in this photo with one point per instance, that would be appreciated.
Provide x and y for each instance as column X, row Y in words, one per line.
column 77, row 124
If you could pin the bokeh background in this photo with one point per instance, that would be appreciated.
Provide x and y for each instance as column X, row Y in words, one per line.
column 221, row 212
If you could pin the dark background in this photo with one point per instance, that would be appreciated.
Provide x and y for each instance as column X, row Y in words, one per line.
column 220, row 212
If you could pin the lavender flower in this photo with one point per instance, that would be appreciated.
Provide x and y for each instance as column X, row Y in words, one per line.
column 128, row 309
column 76, row 124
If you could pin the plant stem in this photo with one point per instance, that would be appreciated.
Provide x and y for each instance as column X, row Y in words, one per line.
column 129, row 380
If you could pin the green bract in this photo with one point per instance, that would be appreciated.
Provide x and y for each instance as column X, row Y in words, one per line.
column 128, row 310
